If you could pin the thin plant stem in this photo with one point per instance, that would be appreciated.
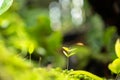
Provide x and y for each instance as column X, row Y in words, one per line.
column 67, row 63
column 30, row 57
column 117, row 76
column 40, row 61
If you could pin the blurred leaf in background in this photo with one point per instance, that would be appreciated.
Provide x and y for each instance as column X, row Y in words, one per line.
column 32, row 26
column 4, row 5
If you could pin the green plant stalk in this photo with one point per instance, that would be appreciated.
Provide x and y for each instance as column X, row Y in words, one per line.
column 39, row 62
column 81, row 72
column 30, row 57
column 117, row 76
column 67, row 63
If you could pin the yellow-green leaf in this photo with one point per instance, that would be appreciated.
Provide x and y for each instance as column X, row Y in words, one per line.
column 66, row 54
column 31, row 48
column 117, row 48
column 115, row 66
column 65, row 49
column 72, row 52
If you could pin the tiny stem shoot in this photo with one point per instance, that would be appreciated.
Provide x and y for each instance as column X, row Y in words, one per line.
column 30, row 57
column 67, row 63
column 117, row 76
column 40, row 61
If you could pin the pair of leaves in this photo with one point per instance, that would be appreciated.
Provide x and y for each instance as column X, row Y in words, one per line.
column 68, row 52
column 4, row 5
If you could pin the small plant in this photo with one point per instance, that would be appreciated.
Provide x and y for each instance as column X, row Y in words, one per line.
column 69, row 52
column 30, row 50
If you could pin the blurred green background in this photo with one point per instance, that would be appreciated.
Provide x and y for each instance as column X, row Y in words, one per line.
column 47, row 25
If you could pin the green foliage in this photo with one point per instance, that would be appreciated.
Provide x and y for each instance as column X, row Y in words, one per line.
column 88, row 76
column 117, row 48
column 100, row 40
column 4, row 5
column 35, row 38
column 16, row 68
column 115, row 65
column 26, row 32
